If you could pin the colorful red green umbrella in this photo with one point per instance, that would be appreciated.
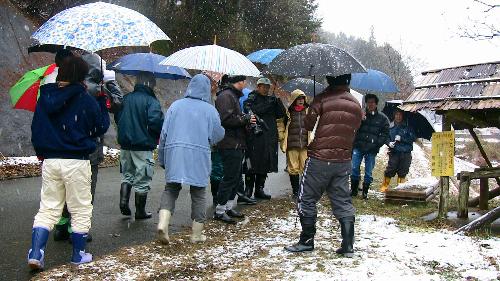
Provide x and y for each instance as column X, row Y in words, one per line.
column 24, row 94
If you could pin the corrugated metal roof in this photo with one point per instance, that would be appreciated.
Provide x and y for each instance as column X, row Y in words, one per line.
column 449, row 88
column 452, row 104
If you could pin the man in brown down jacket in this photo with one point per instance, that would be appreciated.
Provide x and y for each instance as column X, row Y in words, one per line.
column 336, row 115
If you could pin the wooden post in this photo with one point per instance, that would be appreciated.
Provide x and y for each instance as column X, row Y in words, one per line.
column 444, row 182
column 483, row 193
column 463, row 197
column 481, row 149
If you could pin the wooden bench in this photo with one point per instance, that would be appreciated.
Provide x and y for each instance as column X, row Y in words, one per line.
column 483, row 174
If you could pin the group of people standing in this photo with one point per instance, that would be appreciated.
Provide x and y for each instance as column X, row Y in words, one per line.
column 205, row 138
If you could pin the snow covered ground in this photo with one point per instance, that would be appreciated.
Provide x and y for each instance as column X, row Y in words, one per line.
column 384, row 251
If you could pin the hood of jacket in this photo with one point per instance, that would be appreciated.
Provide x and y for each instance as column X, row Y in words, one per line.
column 199, row 88
column 295, row 94
column 58, row 96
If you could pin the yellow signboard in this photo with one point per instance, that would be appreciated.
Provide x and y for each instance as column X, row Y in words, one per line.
column 443, row 154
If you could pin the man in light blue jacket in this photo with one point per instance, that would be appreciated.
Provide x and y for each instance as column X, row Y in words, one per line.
column 192, row 125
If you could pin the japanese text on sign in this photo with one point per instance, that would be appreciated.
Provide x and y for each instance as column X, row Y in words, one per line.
column 443, row 154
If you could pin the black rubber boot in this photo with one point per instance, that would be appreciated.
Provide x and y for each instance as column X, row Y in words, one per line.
column 124, row 198
column 249, row 184
column 225, row 218
column 140, row 206
column 260, row 181
column 61, row 232
column 354, row 187
column 366, row 187
column 347, row 230
column 244, row 199
column 214, row 188
column 295, row 182
column 306, row 240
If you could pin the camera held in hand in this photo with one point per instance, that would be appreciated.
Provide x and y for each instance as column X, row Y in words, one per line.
column 257, row 127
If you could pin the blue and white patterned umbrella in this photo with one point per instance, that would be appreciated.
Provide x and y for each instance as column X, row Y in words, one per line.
column 213, row 58
column 98, row 26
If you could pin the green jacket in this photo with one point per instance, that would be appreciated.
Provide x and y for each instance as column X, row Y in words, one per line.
column 140, row 120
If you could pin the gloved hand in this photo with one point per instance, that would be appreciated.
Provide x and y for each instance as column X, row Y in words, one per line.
column 392, row 144
column 397, row 138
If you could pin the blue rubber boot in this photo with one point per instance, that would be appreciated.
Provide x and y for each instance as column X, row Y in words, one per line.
column 79, row 241
column 36, row 254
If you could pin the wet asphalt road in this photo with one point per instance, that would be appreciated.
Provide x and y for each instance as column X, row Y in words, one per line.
column 19, row 202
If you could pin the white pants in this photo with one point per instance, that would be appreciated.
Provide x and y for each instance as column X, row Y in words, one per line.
column 65, row 180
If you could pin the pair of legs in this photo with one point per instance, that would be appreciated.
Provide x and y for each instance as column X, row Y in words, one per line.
column 137, row 169
column 167, row 207
column 62, row 229
column 256, row 182
column 332, row 178
column 228, row 187
column 399, row 163
column 296, row 158
column 63, row 180
column 357, row 158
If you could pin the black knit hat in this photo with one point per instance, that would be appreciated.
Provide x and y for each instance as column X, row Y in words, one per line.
column 236, row 78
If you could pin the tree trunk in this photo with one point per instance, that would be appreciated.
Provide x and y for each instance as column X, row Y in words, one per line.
column 492, row 194
column 481, row 221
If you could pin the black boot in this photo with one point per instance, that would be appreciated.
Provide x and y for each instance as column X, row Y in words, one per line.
column 366, row 187
column 140, row 206
column 306, row 240
column 260, row 180
column 61, row 232
column 243, row 199
column 354, row 187
column 249, row 184
column 295, row 182
column 214, row 188
column 347, row 231
column 124, row 198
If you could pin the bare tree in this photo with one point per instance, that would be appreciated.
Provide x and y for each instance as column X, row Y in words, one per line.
column 485, row 28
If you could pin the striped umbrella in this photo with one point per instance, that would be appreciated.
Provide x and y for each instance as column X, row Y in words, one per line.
column 24, row 94
column 213, row 58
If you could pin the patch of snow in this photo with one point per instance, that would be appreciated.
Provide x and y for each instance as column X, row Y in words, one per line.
column 463, row 166
column 20, row 160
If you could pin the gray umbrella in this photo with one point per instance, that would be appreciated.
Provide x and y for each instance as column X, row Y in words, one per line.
column 305, row 85
column 314, row 59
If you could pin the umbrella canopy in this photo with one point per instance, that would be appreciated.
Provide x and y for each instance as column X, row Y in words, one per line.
column 213, row 58
column 98, row 26
column 373, row 81
column 264, row 56
column 415, row 120
column 308, row 86
column 24, row 94
column 134, row 63
column 314, row 59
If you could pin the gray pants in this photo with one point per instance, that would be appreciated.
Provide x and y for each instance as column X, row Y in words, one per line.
column 198, row 200
column 137, row 168
column 330, row 176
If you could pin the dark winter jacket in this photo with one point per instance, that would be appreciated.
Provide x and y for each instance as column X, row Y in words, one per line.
column 140, row 120
column 373, row 133
column 298, row 136
column 232, row 119
column 262, row 150
column 407, row 138
column 339, row 117
column 66, row 122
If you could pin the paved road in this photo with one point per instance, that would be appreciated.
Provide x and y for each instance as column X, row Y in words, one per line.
column 19, row 202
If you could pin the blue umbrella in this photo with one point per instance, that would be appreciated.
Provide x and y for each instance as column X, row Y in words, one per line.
column 373, row 81
column 264, row 56
column 245, row 91
column 134, row 63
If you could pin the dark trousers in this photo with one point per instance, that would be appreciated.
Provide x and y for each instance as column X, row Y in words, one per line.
column 232, row 180
column 399, row 163
column 95, row 170
column 332, row 177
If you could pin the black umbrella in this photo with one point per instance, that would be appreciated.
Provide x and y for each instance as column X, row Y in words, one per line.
column 305, row 85
column 415, row 120
column 314, row 59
